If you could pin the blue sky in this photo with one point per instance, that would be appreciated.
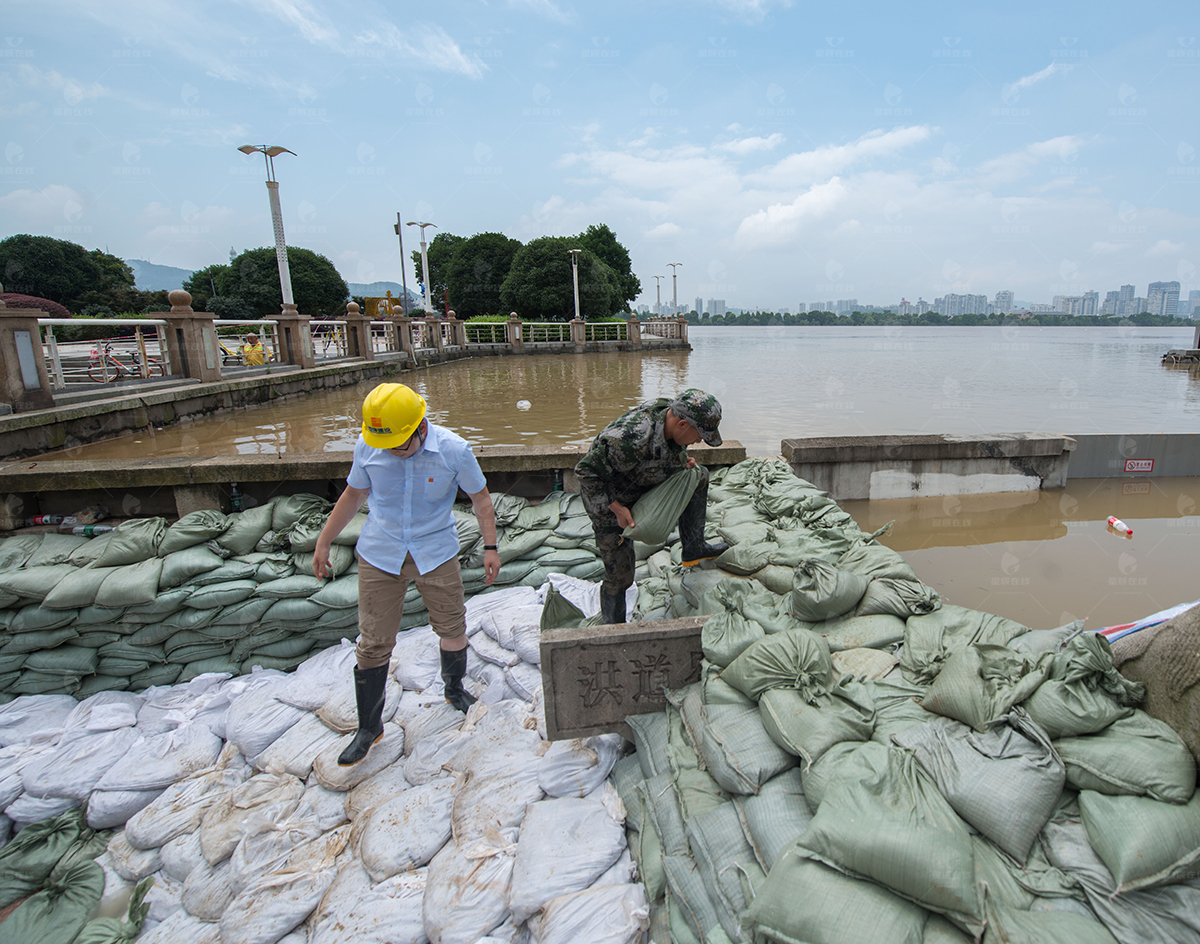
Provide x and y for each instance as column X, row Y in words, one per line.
column 783, row 152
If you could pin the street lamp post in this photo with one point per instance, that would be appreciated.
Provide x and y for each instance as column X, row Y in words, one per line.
column 269, row 153
column 658, row 288
column 575, row 276
column 424, row 265
column 403, row 268
column 674, row 292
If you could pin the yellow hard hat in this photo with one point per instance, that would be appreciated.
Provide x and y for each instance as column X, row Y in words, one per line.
column 391, row 414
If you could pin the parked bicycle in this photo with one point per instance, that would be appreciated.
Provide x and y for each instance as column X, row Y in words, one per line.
column 104, row 366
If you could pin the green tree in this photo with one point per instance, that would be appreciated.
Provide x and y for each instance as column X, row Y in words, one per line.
column 539, row 283
column 50, row 268
column 438, row 253
column 202, row 284
column 115, row 274
column 476, row 272
column 253, row 279
column 603, row 242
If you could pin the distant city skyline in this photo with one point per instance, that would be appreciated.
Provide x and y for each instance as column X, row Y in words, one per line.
column 780, row 151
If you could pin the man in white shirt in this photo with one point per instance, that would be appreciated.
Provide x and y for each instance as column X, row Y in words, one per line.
column 412, row 470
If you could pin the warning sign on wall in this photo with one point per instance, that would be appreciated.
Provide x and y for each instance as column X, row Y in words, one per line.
column 1139, row 465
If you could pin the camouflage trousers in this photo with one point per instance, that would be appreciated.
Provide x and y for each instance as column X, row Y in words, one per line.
column 616, row 551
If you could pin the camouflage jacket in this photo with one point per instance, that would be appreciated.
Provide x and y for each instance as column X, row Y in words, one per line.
column 630, row 456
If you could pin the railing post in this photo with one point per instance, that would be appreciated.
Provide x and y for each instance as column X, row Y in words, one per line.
column 295, row 337
column 24, row 381
column 191, row 340
column 577, row 334
column 683, row 326
column 402, row 325
column 358, row 333
column 55, row 361
column 458, row 329
column 433, row 325
column 516, row 335
column 634, row 336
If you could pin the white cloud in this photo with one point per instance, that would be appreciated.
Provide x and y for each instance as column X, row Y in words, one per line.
column 752, row 11
column 1028, row 80
column 308, row 22
column 808, row 167
column 46, row 207
column 426, row 44
column 751, row 145
column 546, row 8
column 177, row 221
column 1164, row 247
column 1016, row 164
column 73, row 91
column 781, row 221
column 664, row 231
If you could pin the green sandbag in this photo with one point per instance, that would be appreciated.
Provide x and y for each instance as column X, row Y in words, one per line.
column 192, row 529
column 592, row 571
column 246, row 613
column 298, row 585
column 114, row 930
column 29, row 859
column 737, row 751
column 187, row 618
column 341, row 558
column 686, row 890
column 220, row 664
column 776, row 578
column 1070, row 709
column 808, row 729
column 272, row 662
column 212, row 649
column 63, row 660
column 746, row 559
column 221, row 594
column 726, row 863
column 334, row 619
column 95, row 684
column 43, row 683
column 304, row 533
column 121, row 668
column 514, row 545
column 36, row 617
column 16, row 550
column 56, row 913
column 77, row 589
column 181, row 566
column 227, row 572
column 11, row 662
column 862, row 632
column 805, row 901
column 559, row 560
column 293, row 611
column 1138, row 755
column 890, row 824
column 55, row 549
column 127, row 649
column 287, row 511
column 979, row 685
column 95, row 638
column 656, row 513
column 133, row 541
column 726, row 635
column 131, row 584
column 1143, row 841
column 152, row 634
column 576, row 529
column 559, row 613
column 291, row 648
column 277, row 567
column 796, row 659
column 821, row 591
column 1011, row 926
column 40, row 639
column 156, row 675
column 897, row 597
column 543, row 516
column 256, row 640
column 90, row 552
column 36, row 582
column 931, row 639
column 873, row 560
column 166, row 603
column 775, row 817
column 246, row 529
column 93, row 615
column 827, row 544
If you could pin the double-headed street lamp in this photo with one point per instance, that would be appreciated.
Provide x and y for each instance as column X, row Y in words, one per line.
column 674, row 292
column 575, row 276
column 424, row 263
column 269, row 153
column 658, row 288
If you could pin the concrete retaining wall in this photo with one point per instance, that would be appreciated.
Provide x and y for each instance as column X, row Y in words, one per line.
column 1140, row 456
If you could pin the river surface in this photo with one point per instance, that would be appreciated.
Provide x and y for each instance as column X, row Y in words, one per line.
column 1042, row 558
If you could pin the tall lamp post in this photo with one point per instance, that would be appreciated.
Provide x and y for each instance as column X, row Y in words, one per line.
column 403, row 267
column 424, row 264
column 269, row 153
column 674, row 292
column 575, row 276
column 658, row 288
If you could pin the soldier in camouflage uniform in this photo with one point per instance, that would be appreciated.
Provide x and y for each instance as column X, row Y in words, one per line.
column 631, row 455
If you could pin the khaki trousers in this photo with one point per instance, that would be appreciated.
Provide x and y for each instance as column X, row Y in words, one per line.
column 381, row 604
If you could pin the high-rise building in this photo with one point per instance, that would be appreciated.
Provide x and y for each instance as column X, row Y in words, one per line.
column 1135, row 306
column 699, row 305
column 905, row 307
column 1004, row 302
column 1125, row 301
column 1190, row 308
column 716, row 306
column 845, row 305
column 1110, row 303
column 1162, row 298
column 923, row 306
column 801, row 308
column 1091, row 302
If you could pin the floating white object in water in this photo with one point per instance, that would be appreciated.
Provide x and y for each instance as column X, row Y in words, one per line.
column 524, row 405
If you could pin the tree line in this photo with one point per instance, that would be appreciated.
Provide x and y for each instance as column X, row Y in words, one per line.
column 769, row 318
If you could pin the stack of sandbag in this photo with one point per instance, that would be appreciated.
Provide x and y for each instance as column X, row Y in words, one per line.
column 234, row 823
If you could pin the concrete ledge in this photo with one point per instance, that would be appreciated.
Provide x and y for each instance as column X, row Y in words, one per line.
column 1147, row 456
column 594, row 678
column 880, row 467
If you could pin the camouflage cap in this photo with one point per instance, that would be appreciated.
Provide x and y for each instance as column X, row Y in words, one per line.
column 702, row 410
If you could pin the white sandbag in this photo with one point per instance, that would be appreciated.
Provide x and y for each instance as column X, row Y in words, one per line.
column 622, row 872
column 257, row 718
column 565, row 845
column 181, row 928
column 350, row 885
column 383, row 753
column 221, row 826
column 466, row 891
column 524, row 679
column 14, row 759
column 108, row 809
column 490, row 650
column 500, row 764
column 31, row 717
column 314, row 680
column 388, row 913
column 114, row 900
column 420, row 720
column 157, row 762
column 180, row 808
column 268, row 843
column 495, row 687
column 295, row 750
column 406, row 831
column 208, row 890
column 575, row 768
column 415, row 658
column 482, row 606
column 613, row 914
column 206, row 699
column 340, row 710
column 376, row 789
column 502, row 623
column 132, row 864
column 180, row 856
column 434, row 751
column 328, row 806
column 274, row 906
column 27, row 809
column 77, row 765
column 104, row 711
column 527, row 643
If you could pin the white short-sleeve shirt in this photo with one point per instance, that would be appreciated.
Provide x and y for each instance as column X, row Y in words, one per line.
column 411, row 499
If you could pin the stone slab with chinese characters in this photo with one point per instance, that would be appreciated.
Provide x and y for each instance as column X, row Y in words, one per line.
column 594, row 677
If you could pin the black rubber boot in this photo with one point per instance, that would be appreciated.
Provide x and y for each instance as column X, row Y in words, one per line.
column 454, row 667
column 612, row 607
column 691, row 530
column 369, row 686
